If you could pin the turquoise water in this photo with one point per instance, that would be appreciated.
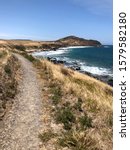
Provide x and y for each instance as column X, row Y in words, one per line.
column 96, row 60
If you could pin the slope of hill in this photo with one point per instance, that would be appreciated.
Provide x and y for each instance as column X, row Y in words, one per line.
column 76, row 41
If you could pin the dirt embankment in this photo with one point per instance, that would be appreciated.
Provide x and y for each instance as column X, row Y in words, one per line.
column 8, row 80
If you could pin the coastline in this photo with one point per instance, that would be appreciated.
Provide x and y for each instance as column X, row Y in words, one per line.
column 73, row 65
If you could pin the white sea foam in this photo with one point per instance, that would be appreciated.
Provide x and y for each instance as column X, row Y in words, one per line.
column 106, row 46
column 96, row 70
column 92, row 69
column 58, row 51
column 72, row 47
column 48, row 53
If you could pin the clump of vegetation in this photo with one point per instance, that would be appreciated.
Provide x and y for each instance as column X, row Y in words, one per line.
column 90, row 86
column 19, row 47
column 92, row 105
column 46, row 72
column 7, row 69
column 65, row 115
column 29, row 57
column 77, row 140
column 108, row 91
column 85, row 122
column 109, row 119
column 78, row 105
column 46, row 136
column 3, row 54
column 57, row 94
column 65, row 71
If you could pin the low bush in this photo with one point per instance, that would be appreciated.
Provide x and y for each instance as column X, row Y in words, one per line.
column 85, row 122
column 2, row 54
column 19, row 47
column 7, row 69
column 65, row 116
column 57, row 95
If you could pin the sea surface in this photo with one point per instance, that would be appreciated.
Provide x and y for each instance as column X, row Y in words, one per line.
column 96, row 60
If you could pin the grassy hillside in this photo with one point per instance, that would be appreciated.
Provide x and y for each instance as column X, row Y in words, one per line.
column 79, row 106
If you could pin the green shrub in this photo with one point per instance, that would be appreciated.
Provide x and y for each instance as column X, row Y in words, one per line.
column 57, row 95
column 19, row 47
column 65, row 116
column 7, row 69
column 2, row 54
column 29, row 57
column 78, row 105
column 85, row 122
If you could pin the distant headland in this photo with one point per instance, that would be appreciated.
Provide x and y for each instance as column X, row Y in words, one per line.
column 30, row 45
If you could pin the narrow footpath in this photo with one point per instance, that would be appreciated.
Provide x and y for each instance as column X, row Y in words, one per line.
column 22, row 124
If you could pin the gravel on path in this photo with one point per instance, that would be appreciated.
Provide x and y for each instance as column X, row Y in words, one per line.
column 22, row 124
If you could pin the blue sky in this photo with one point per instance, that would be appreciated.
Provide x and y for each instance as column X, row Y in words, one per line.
column 53, row 19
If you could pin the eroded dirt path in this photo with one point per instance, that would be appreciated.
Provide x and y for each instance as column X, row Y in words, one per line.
column 23, row 123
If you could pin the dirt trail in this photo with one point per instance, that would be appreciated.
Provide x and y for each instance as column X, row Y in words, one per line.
column 23, row 123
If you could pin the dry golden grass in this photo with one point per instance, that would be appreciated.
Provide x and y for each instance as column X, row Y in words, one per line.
column 82, row 85
column 96, row 103
column 4, row 55
column 28, row 44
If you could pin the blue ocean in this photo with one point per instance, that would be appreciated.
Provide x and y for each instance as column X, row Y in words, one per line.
column 96, row 60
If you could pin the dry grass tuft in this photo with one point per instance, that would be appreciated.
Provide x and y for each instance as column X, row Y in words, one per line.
column 47, row 135
column 77, row 140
